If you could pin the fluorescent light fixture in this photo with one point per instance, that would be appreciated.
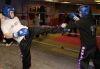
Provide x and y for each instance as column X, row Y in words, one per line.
column 98, row 3
column 48, row 0
column 52, row 0
column 65, row 2
column 78, row 4
column 97, row 0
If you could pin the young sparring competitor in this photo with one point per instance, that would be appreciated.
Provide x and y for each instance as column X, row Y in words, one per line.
column 87, row 27
column 12, row 28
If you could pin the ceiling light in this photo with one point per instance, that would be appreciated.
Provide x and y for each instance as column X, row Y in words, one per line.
column 97, row 0
column 52, row 0
column 65, row 2
column 78, row 4
column 48, row 0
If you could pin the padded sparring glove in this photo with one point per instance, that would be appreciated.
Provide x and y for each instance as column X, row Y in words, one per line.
column 21, row 32
column 73, row 16
column 66, row 30
column 63, row 25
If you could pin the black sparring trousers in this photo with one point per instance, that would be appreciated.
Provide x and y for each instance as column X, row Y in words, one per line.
column 86, row 54
column 25, row 44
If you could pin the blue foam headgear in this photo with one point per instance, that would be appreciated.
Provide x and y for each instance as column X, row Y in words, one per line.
column 6, row 10
column 85, row 9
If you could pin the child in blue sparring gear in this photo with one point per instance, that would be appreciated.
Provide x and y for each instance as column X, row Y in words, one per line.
column 87, row 27
column 12, row 28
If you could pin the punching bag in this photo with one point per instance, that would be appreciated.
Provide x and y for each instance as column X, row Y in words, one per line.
column 42, row 15
column 8, row 2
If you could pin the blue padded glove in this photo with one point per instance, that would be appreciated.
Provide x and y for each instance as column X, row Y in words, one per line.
column 63, row 25
column 21, row 32
column 66, row 30
column 73, row 16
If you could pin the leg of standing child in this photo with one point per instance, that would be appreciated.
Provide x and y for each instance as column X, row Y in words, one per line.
column 86, row 54
column 96, row 58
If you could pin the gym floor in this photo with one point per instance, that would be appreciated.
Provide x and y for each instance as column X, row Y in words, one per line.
column 45, row 53
column 41, row 59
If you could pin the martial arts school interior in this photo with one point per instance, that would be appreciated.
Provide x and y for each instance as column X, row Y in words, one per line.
column 48, row 50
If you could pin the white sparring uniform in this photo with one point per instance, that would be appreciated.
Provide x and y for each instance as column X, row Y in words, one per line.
column 13, row 26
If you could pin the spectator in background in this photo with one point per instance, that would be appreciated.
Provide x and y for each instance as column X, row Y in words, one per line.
column 66, row 20
column 36, row 22
column 74, row 29
column 24, row 21
column 47, row 20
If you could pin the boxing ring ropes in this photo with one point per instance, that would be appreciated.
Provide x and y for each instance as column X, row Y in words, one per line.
column 49, row 13
column 59, row 46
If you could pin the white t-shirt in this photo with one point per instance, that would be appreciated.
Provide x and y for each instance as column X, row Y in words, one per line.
column 12, row 26
column 47, row 20
column 37, row 21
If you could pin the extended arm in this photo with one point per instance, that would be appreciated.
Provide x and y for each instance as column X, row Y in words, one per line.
column 71, row 25
column 73, row 16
